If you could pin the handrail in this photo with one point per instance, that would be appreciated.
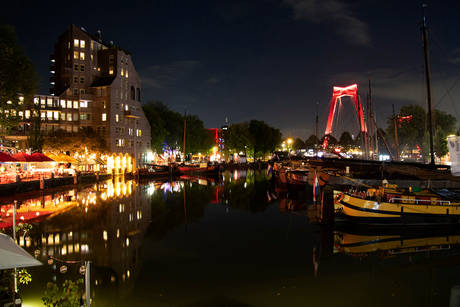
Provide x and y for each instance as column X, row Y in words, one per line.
column 440, row 202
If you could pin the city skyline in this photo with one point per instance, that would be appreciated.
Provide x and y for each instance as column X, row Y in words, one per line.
column 275, row 61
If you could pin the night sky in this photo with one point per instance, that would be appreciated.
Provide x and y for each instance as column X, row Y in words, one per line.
column 269, row 60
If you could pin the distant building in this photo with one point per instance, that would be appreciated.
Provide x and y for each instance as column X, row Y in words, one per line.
column 218, row 135
column 95, row 84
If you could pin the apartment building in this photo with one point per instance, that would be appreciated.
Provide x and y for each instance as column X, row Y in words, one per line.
column 98, row 86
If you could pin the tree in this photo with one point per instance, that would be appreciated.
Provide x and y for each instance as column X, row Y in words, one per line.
column 312, row 142
column 17, row 75
column 238, row 138
column 411, row 129
column 36, row 139
column 298, row 144
column 158, row 132
column 346, row 140
column 265, row 139
column 85, row 139
column 68, row 297
column 197, row 138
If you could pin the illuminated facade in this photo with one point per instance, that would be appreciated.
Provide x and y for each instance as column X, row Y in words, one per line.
column 98, row 86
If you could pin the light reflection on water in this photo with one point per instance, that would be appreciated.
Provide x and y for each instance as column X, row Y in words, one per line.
column 236, row 241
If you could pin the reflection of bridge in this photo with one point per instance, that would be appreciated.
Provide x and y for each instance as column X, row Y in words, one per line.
column 338, row 93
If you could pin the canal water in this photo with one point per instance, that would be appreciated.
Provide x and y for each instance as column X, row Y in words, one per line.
column 230, row 241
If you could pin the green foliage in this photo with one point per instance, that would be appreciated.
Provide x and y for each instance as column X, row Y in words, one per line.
column 36, row 139
column 24, row 277
column 346, row 140
column 238, row 138
column 312, row 142
column 68, row 297
column 84, row 139
column 298, row 144
column 17, row 75
column 153, row 112
column 412, row 132
column 197, row 138
column 265, row 138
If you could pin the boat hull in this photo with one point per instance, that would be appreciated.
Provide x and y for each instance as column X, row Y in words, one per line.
column 364, row 211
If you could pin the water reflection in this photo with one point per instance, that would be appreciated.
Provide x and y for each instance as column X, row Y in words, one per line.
column 235, row 241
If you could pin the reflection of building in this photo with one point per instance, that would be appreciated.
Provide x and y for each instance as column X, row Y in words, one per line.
column 107, row 228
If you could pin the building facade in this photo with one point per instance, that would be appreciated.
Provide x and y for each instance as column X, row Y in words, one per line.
column 98, row 86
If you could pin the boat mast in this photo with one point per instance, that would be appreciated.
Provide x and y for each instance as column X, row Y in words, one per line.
column 428, row 81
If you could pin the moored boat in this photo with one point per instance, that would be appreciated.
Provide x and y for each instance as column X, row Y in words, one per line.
column 392, row 206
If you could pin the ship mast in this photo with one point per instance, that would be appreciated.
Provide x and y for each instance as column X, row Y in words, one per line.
column 428, row 82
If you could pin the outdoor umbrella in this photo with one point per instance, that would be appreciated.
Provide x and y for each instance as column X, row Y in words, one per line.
column 23, row 157
column 6, row 158
column 41, row 157
column 13, row 256
column 61, row 157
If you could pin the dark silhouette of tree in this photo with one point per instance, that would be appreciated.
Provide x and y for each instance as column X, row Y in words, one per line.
column 17, row 75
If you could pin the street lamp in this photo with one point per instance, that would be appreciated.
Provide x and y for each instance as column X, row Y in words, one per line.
column 289, row 142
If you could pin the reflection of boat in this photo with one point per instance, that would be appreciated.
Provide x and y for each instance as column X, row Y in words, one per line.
column 157, row 171
column 210, row 168
column 393, row 206
column 388, row 242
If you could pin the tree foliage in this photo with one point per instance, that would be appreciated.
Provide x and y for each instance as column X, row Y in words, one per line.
column 298, row 144
column 68, row 297
column 265, row 138
column 197, row 138
column 85, row 139
column 312, row 142
column 17, row 75
column 411, row 129
column 152, row 111
column 36, row 139
column 238, row 138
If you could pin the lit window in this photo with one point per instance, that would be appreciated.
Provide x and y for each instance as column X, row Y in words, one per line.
column 126, row 73
column 62, row 116
column 110, row 70
column 82, row 44
column 116, row 118
column 69, row 117
column 139, row 132
column 49, row 115
column 76, row 42
column 126, row 107
column 75, row 104
column 82, row 56
column 69, row 104
column 75, row 55
column 83, row 104
column 104, row 117
column 122, row 72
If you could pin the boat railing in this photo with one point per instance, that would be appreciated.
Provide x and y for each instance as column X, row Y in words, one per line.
column 419, row 201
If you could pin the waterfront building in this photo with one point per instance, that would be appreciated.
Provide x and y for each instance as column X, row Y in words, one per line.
column 98, row 86
column 93, row 84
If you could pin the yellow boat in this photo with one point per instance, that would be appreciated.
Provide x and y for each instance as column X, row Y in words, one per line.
column 392, row 206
